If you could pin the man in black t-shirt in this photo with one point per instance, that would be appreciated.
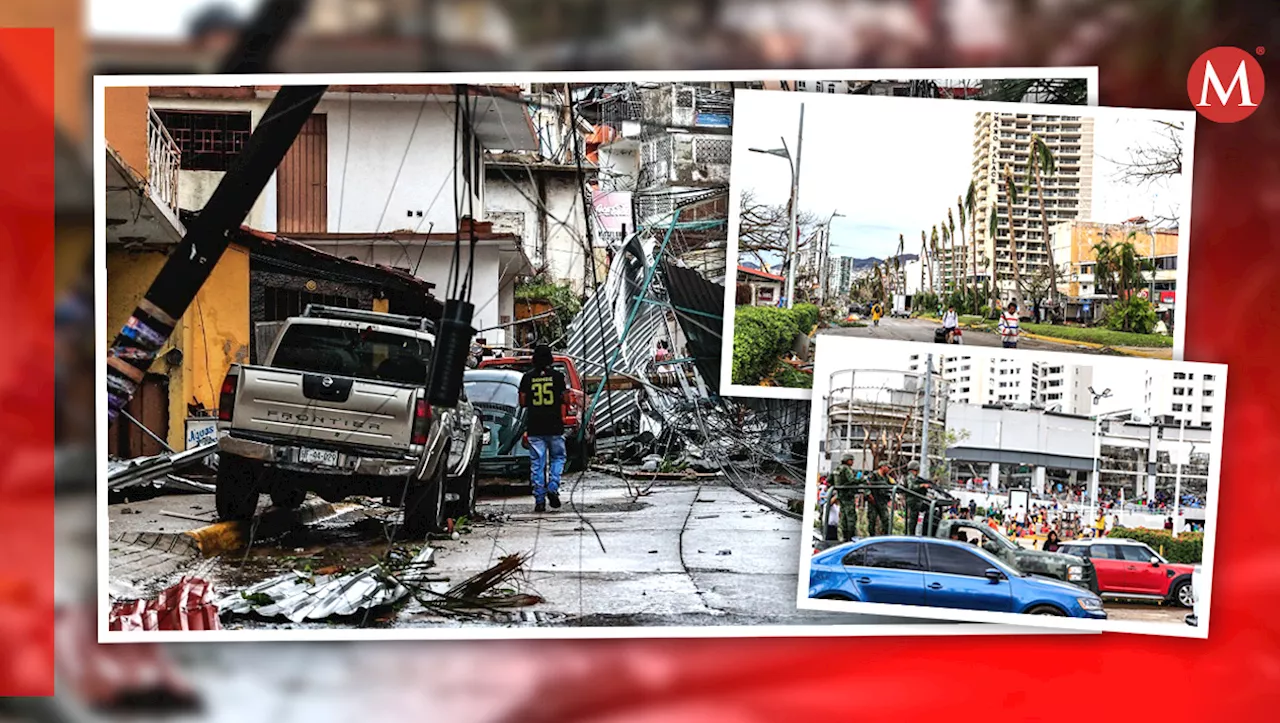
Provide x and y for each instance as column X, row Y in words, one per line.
column 542, row 393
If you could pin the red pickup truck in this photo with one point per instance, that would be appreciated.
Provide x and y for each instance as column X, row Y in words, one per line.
column 580, row 448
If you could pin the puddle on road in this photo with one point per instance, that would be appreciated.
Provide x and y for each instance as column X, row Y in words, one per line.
column 348, row 546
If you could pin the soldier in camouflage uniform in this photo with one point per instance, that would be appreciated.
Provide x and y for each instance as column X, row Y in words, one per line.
column 915, row 505
column 878, row 510
column 845, row 487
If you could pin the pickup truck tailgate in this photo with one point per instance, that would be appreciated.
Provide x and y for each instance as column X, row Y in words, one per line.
column 324, row 408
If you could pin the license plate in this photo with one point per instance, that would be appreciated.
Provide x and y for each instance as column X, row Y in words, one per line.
column 326, row 457
column 488, row 436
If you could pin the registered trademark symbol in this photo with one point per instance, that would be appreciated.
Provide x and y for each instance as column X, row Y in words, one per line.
column 1260, row 50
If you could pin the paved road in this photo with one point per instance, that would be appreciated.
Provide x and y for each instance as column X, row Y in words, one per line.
column 683, row 553
column 922, row 330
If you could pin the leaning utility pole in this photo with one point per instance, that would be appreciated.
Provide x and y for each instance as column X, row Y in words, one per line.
column 207, row 237
column 928, row 400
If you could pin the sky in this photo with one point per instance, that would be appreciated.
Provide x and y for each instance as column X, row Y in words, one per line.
column 152, row 18
column 898, row 170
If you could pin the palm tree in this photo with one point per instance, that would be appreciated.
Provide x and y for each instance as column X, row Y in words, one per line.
column 1040, row 164
column 970, row 206
column 924, row 260
column 951, row 235
column 897, row 265
column 933, row 253
column 1010, row 198
column 993, row 270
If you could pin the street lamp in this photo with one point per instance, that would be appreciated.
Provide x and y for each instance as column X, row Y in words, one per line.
column 783, row 152
column 825, row 257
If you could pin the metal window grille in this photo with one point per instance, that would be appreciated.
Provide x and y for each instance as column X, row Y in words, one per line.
column 207, row 140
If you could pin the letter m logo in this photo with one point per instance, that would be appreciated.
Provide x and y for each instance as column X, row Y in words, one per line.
column 1233, row 100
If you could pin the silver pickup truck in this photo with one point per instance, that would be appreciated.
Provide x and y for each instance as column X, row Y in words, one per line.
column 339, row 408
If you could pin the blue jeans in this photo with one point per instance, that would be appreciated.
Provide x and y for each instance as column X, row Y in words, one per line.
column 543, row 483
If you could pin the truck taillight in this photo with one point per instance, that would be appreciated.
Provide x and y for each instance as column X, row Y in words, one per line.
column 227, row 398
column 421, row 421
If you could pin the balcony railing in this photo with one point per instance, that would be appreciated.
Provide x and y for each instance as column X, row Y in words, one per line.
column 164, row 160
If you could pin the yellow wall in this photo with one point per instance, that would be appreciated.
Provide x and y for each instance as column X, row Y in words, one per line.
column 217, row 327
column 213, row 334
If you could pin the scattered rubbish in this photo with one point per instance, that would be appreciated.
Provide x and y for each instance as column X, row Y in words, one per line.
column 705, row 517
column 725, row 552
column 157, row 471
column 182, row 606
column 484, row 591
column 185, row 516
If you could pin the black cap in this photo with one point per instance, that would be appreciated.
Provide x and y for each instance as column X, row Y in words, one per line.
column 541, row 355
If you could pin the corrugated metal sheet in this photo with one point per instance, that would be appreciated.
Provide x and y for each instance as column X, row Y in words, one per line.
column 699, row 307
column 183, row 606
column 157, row 470
column 597, row 337
column 298, row 597
column 302, row 187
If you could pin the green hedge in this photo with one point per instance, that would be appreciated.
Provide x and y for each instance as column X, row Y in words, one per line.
column 1099, row 336
column 806, row 316
column 764, row 334
column 1188, row 548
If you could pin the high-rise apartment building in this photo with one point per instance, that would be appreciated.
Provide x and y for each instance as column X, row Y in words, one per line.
column 1003, row 140
column 1188, row 398
column 1053, row 386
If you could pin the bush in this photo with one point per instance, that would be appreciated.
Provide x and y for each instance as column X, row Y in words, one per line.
column 1188, row 548
column 806, row 317
column 1134, row 314
column 761, row 336
column 1099, row 336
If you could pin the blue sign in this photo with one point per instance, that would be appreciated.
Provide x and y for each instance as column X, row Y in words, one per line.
column 713, row 120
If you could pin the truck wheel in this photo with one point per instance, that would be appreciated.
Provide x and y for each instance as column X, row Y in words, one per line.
column 1183, row 595
column 288, row 499
column 236, row 496
column 424, row 505
column 465, row 488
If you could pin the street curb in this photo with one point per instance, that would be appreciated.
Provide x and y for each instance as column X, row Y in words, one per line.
column 223, row 537
column 1154, row 354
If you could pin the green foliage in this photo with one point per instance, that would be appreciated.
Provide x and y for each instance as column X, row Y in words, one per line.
column 1134, row 314
column 806, row 316
column 1099, row 336
column 925, row 301
column 761, row 336
column 560, row 297
column 1187, row 549
column 792, row 378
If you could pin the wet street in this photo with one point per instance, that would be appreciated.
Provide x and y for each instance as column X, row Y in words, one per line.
column 617, row 553
column 916, row 329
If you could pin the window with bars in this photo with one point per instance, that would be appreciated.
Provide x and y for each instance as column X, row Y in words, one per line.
column 281, row 303
column 208, row 140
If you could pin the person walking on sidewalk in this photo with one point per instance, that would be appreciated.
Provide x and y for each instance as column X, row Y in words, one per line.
column 1009, row 326
column 542, row 392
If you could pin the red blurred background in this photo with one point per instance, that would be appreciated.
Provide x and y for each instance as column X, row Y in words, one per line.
column 1143, row 48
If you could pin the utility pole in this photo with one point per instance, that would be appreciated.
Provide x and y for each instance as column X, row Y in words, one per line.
column 795, row 212
column 928, row 403
column 207, row 237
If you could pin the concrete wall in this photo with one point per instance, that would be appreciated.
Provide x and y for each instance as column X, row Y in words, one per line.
column 124, row 120
column 369, row 142
column 1012, row 430
column 511, row 203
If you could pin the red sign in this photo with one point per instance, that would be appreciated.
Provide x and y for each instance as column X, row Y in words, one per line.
column 1226, row 84
column 1168, row 297
column 612, row 210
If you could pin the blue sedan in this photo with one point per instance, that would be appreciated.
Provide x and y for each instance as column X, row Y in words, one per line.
column 942, row 574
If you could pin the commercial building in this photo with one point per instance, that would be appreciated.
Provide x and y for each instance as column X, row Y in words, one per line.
column 1004, row 139
column 1073, row 250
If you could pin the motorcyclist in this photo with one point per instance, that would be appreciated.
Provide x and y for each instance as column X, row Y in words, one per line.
column 950, row 322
